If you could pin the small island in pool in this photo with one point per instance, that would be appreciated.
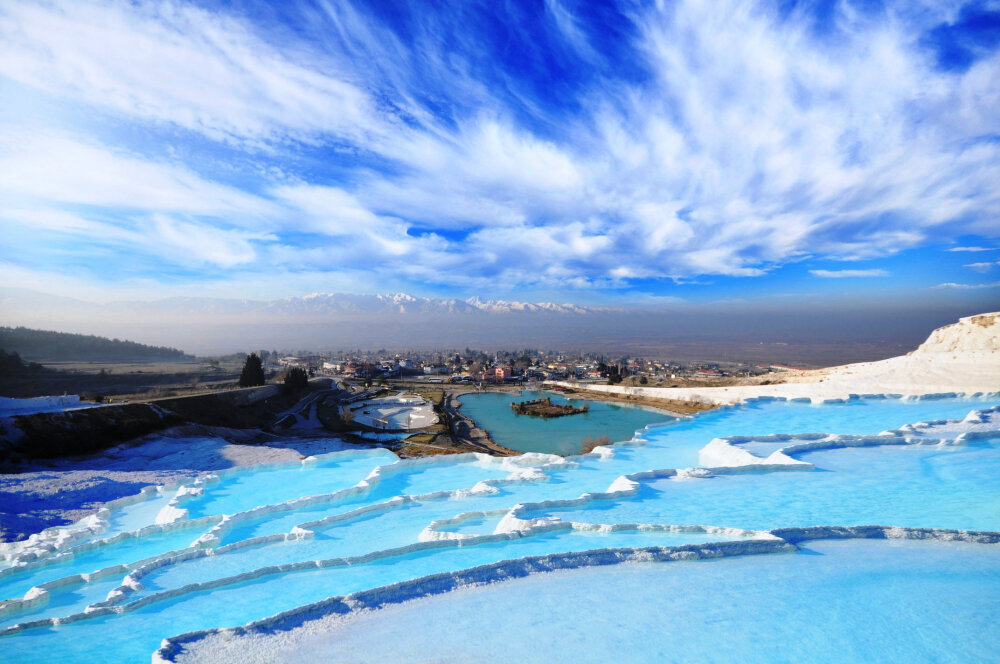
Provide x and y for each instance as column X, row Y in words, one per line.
column 545, row 408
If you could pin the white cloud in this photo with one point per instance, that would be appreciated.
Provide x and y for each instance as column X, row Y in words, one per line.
column 160, row 236
column 188, row 242
column 951, row 284
column 177, row 63
column 845, row 274
column 57, row 168
column 752, row 144
column 755, row 146
column 982, row 267
column 972, row 249
column 65, row 223
column 327, row 210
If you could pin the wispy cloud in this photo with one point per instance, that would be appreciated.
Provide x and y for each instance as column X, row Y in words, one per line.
column 846, row 274
column 572, row 150
column 951, row 284
column 983, row 267
column 54, row 169
column 176, row 63
column 159, row 237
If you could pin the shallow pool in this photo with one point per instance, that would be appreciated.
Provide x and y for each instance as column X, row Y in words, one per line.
column 953, row 486
column 557, row 435
column 833, row 602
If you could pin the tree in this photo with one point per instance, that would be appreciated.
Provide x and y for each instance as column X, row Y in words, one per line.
column 296, row 379
column 11, row 364
column 253, row 373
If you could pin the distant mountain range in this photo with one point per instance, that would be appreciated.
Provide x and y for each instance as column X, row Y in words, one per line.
column 206, row 325
column 317, row 304
column 393, row 303
column 818, row 334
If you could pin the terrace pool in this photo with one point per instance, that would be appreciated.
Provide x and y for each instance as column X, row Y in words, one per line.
column 249, row 543
column 858, row 601
column 558, row 435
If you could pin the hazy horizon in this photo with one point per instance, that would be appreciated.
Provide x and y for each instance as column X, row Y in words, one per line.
column 807, row 332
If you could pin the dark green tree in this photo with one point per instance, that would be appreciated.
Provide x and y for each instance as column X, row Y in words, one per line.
column 253, row 373
column 296, row 379
column 11, row 364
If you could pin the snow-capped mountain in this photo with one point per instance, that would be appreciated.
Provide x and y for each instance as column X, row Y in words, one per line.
column 319, row 305
column 503, row 306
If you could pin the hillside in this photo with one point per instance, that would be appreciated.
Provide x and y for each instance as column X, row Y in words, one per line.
column 44, row 345
column 973, row 334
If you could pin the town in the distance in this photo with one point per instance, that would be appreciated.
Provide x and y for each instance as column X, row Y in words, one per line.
column 516, row 367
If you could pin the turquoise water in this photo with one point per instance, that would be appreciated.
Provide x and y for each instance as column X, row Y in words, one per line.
column 677, row 446
column 899, row 485
column 857, row 601
column 135, row 635
column 237, row 492
column 558, row 435
column 370, row 537
column 128, row 550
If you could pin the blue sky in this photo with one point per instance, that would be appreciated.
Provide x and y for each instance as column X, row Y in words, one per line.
column 590, row 152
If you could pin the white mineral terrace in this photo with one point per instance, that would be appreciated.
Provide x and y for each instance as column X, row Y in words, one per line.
column 143, row 585
column 398, row 413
